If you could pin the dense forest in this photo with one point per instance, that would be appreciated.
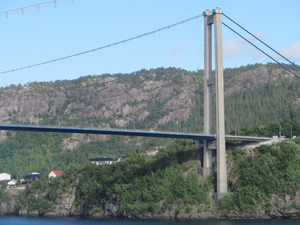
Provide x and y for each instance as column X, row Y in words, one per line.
column 27, row 152
column 162, row 99
column 275, row 170
column 140, row 182
column 171, row 180
column 285, row 127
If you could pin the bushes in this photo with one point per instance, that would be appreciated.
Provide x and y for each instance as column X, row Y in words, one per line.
column 141, row 183
column 53, row 189
column 273, row 171
column 40, row 204
column 4, row 195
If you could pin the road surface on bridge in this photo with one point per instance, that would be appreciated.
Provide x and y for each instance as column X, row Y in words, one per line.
column 246, row 138
column 131, row 133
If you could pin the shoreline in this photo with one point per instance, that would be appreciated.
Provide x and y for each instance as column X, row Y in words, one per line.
column 216, row 215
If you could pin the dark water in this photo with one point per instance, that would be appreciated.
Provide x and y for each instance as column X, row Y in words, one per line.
column 76, row 221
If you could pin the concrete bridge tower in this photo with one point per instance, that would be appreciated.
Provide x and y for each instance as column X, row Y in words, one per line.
column 210, row 18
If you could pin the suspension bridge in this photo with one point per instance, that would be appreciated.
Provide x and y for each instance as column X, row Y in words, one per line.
column 134, row 120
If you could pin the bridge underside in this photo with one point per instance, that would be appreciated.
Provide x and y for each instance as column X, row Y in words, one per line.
column 109, row 132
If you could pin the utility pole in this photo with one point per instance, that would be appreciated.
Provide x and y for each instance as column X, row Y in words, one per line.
column 235, row 127
column 280, row 132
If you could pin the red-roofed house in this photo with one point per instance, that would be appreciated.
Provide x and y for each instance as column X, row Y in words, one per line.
column 54, row 173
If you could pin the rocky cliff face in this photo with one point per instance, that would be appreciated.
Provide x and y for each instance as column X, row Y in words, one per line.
column 7, row 208
column 253, row 78
column 148, row 98
column 143, row 100
column 282, row 209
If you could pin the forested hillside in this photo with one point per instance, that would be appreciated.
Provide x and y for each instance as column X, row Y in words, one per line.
column 42, row 152
column 259, row 104
column 139, row 183
column 162, row 99
column 264, row 183
column 265, row 179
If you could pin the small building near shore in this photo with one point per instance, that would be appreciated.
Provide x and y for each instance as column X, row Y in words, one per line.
column 153, row 152
column 101, row 161
column 5, row 177
column 32, row 176
column 54, row 173
column 120, row 158
column 11, row 183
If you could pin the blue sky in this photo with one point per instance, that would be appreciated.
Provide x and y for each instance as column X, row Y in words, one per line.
column 52, row 33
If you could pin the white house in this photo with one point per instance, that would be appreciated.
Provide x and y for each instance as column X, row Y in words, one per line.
column 54, row 173
column 5, row 177
column 153, row 151
column 120, row 158
column 11, row 183
column 101, row 161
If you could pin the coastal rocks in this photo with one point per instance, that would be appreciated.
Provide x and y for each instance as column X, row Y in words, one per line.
column 172, row 214
column 264, row 214
column 64, row 205
column 109, row 210
column 113, row 208
column 7, row 208
column 283, row 206
column 203, row 215
column 284, row 214
column 255, row 215
column 25, row 212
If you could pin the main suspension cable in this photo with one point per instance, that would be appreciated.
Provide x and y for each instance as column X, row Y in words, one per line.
column 261, row 41
column 260, row 50
column 106, row 46
column 37, row 6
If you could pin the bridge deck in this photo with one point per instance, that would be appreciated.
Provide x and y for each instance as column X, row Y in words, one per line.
column 109, row 132
column 246, row 138
column 130, row 133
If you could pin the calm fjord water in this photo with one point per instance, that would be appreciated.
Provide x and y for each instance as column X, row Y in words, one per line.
column 78, row 221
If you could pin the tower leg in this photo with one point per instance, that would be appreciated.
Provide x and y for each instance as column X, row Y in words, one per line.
column 207, row 168
column 207, row 153
column 221, row 154
column 216, row 19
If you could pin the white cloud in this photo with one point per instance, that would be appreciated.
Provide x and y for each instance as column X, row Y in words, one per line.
column 200, row 50
column 254, row 53
column 292, row 52
column 261, row 36
column 233, row 48
column 180, row 47
column 176, row 49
